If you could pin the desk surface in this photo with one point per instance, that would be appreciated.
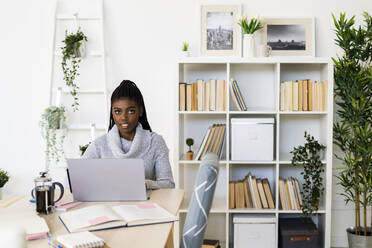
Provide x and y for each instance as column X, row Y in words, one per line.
column 141, row 236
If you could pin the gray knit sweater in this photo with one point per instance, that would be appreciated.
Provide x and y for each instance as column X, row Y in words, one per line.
column 146, row 145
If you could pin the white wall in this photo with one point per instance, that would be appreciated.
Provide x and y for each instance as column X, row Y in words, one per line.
column 143, row 40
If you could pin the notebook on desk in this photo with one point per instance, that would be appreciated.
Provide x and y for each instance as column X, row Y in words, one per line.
column 100, row 217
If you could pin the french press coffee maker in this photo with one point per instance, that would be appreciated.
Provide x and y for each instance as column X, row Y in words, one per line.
column 43, row 193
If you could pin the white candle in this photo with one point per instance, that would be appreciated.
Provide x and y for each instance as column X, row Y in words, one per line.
column 58, row 97
column 92, row 131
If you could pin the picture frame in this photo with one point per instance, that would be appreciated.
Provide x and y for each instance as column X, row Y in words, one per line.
column 290, row 36
column 220, row 33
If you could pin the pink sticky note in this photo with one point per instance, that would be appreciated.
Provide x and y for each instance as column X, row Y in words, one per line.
column 36, row 236
column 99, row 220
column 145, row 206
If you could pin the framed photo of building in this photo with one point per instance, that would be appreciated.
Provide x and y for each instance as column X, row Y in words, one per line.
column 290, row 36
column 220, row 32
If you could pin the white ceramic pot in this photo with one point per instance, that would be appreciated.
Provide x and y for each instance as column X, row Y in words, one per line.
column 185, row 54
column 81, row 51
column 359, row 241
column 1, row 193
column 248, row 46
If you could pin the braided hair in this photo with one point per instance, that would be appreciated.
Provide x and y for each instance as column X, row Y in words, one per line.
column 128, row 89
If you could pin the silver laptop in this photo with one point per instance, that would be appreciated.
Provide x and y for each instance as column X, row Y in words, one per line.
column 107, row 179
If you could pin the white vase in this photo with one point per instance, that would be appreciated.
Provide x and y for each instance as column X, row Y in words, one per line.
column 248, row 46
column 1, row 193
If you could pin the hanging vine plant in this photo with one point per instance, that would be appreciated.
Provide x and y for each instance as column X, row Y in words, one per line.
column 53, row 120
column 309, row 156
column 72, row 52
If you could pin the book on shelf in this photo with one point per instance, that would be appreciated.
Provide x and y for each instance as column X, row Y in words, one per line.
column 188, row 97
column 239, row 96
column 194, row 106
column 251, row 192
column 268, row 194
column 213, row 141
column 231, row 195
column 303, row 95
column 182, row 96
column 239, row 194
column 247, row 193
column 290, row 194
column 234, row 97
column 220, row 95
column 262, row 194
column 207, row 94
column 99, row 217
column 212, row 97
column 200, row 94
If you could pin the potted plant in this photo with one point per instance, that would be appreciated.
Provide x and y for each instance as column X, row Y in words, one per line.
column 4, row 177
column 352, row 131
column 249, row 27
column 72, row 52
column 53, row 129
column 309, row 157
column 83, row 148
column 185, row 49
column 190, row 153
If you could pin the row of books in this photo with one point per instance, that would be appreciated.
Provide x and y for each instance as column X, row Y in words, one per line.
column 251, row 193
column 203, row 96
column 213, row 141
column 289, row 193
column 237, row 96
column 303, row 95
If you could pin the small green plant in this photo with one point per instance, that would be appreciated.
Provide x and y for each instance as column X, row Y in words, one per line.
column 308, row 156
column 4, row 177
column 71, row 58
column 53, row 119
column 189, row 143
column 249, row 27
column 185, row 46
column 83, row 148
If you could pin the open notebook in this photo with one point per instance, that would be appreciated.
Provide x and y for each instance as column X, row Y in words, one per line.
column 99, row 217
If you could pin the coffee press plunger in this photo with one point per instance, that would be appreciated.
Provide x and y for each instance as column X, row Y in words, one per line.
column 44, row 193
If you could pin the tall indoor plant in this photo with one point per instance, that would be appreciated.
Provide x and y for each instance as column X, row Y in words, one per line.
column 72, row 52
column 352, row 131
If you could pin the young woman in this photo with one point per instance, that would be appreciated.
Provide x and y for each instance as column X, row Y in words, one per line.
column 130, row 136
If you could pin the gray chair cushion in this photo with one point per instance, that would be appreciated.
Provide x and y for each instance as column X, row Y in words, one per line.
column 201, row 201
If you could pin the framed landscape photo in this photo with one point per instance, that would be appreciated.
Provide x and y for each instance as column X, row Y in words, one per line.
column 220, row 32
column 290, row 36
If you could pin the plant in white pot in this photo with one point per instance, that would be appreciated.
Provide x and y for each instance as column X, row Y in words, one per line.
column 185, row 49
column 249, row 27
column 72, row 52
column 4, row 178
column 352, row 131
column 53, row 129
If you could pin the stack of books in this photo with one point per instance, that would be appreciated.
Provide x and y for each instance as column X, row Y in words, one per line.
column 251, row 193
column 237, row 96
column 203, row 96
column 213, row 141
column 289, row 194
column 303, row 95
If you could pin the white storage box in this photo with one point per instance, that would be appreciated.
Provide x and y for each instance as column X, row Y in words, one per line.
column 254, row 231
column 252, row 138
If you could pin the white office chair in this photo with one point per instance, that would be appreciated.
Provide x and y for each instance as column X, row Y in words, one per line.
column 201, row 201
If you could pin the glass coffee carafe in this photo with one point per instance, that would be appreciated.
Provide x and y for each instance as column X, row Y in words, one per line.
column 43, row 193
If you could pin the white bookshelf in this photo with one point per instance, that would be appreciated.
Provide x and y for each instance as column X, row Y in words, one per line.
column 259, row 80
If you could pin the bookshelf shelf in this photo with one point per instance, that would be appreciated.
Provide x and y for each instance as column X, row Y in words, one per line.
column 259, row 82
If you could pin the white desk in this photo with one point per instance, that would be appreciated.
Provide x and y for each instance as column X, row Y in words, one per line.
column 159, row 235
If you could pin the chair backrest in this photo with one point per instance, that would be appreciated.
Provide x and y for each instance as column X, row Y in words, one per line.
column 200, row 204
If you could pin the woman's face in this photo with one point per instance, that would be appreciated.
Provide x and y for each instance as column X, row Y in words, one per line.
column 126, row 114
